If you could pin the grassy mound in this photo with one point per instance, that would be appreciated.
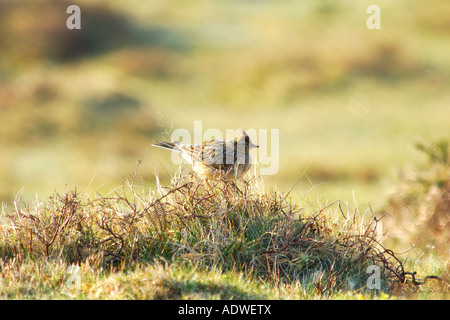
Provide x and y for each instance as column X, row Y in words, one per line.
column 225, row 227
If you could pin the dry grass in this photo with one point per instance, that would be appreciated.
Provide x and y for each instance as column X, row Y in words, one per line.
column 418, row 210
column 224, row 226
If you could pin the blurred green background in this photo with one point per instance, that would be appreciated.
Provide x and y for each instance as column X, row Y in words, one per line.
column 78, row 108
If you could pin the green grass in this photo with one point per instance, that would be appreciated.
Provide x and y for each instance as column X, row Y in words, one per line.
column 44, row 279
column 193, row 241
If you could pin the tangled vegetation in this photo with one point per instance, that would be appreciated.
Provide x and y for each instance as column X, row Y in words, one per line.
column 224, row 226
column 418, row 211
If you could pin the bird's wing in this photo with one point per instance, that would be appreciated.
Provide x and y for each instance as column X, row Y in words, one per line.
column 191, row 152
column 219, row 154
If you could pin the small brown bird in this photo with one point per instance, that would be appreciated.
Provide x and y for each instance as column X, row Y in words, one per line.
column 215, row 159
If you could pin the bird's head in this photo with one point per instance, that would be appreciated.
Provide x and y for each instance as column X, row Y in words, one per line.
column 242, row 137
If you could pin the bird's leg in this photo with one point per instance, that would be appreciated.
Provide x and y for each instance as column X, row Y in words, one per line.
column 236, row 187
column 206, row 182
column 246, row 184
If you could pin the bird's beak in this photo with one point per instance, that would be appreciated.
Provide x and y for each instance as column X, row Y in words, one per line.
column 255, row 146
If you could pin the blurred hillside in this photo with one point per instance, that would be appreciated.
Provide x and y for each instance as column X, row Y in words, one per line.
column 349, row 102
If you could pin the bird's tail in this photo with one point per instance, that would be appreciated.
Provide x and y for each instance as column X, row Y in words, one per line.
column 166, row 145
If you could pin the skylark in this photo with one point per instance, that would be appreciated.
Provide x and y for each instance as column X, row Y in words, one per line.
column 215, row 159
